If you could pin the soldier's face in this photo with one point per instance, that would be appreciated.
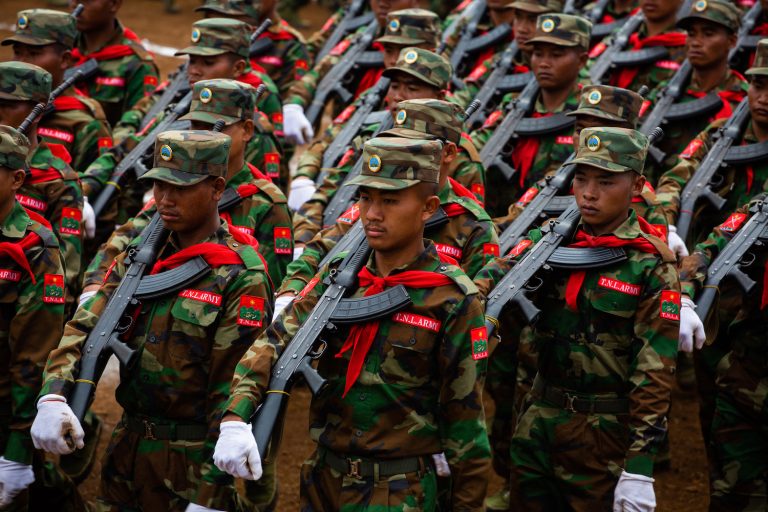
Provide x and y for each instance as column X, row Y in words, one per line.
column 209, row 67
column 708, row 44
column 556, row 67
column 185, row 209
column 95, row 13
column 525, row 26
column 660, row 9
column 47, row 57
column 405, row 87
column 12, row 113
column 758, row 100
column 604, row 197
column 380, row 8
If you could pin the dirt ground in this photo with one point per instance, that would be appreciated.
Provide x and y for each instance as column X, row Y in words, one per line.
column 683, row 488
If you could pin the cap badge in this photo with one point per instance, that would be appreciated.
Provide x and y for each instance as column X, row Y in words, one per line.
column 23, row 22
column 700, row 6
column 374, row 163
column 411, row 57
column 548, row 25
column 401, row 117
column 394, row 25
column 195, row 35
column 593, row 143
column 166, row 153
column 206, row 95
column 594, row 97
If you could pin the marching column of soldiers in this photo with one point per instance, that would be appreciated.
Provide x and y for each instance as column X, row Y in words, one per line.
column 487, row 242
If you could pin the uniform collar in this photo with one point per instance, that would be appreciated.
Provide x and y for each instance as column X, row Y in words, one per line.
column 242, row 177
column 217, row 237
column 427, row 260
column 627, row 230
column 16, row 224
column 571, row 102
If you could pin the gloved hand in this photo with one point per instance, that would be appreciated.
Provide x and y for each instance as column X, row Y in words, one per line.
column 56, row 428
column 441, row 464
column 281, row 303
column 298, row 250
column 296, row 126
column 14, row 478
column 302, row 189
column 84, row 297
column 676, row 243
column 89, row 216
column 236, row 452
column 691, row 327
column 194, row 507
column 634, row 493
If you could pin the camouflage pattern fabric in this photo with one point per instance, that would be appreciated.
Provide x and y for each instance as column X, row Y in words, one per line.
column 395, row 163
column 610, row 103
column 221, row 100
column 217, row 36
column 424, row 65
column 537, row 6
column 612, row 149
column 187, row 157
column 40, row 27
column 720, row 12
column 14, row 148
column 428, row 118
column 20, row 81
column 288, row 60
column 410, row 27
column 562, row 30
column 760, row 65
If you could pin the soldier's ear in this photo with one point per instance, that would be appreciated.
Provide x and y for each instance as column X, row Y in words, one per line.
column 248, row 130
column 66, row 60
column 430, row 207
column 638, row 183
column 219, row 183
column 239, row 67
column 583, row 58
column 18, row 177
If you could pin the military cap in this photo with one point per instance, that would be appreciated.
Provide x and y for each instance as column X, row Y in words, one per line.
column 250, row 8
column 721, row 12
column 427, row 119
column 24, row 82
column 562, row 30
column 411, row 27
column 38, row 27
column 537, row 6
column 427, row 66
column 612, row 149
column 611, row 103
column 395, row 163
column 187, row 157
column 221, row 99
column 760, row 65
column 14, row 148
column 216, row 36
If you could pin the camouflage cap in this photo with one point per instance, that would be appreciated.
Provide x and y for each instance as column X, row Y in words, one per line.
column 537, row 6
column 14, row 148
column 216, row 36
column 562, row 30
column 412, row 26
column 20, row 81
column 612, row 149
column 611, row 103
column 721, row 12
column 250, row 8
column 427, row 119
column 187, row 157
column 760, row 65
column 39, row 27
column 394, row 163
column 427, row 66
column 221, row 99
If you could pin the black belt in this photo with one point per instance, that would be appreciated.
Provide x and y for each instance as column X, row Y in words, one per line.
column 358, row 467
column 574, row 403
column 171, row 431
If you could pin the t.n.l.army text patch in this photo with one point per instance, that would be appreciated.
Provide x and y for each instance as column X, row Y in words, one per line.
column 201, row 296
column 619, row 286
column 417, row 321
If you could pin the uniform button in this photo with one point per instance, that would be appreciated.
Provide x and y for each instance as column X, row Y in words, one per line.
column 153, row 339
column 362, row 397
column 358, row 433
column 234, row 244
column 443, row 268
column 412, row 341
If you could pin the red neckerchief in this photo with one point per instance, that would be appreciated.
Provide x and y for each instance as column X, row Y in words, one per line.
column 628, row 74
column 280, row 34
column 728, row 98
column 369, row 80
column 216, row 255
column 63, row 103
column 17, row 250
column 113, row 51
column 361, row 336
column 257, row 173
column 582, row 239
column 250, row 78
column 525, row 152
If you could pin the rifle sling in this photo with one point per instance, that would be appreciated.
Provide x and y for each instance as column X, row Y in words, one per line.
column 576, row 258
column 634, row 58
column 701, row 107
column 365, row 309
column 171, row 281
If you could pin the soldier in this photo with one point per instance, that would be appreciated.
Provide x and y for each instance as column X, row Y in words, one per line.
column 605, row 345
column 32, row 281
column 438, row 379
column 45, row 38
column 559, row 53
column 614, row 11
column 52, row 188
column 159, row 457
column 127, row 72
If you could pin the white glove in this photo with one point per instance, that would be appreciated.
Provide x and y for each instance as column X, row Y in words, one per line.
column 194, row 507
column 89, row 216
column 691, row 327
column 302, row 189
column 441, row 464
column 296, row 127
column 236, row 452
column 634, row 493
column 54, row 423
column 85, row 296
column 281, row 303
column 14, row 478
column 676, row 243
column 298, row 250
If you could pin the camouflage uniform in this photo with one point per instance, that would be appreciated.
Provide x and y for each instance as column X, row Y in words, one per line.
column 439, row 404
column 78, row 123
column 188, row 346
column 127, row 72
column 52, row 188
column 543, row 154
column 614, row 347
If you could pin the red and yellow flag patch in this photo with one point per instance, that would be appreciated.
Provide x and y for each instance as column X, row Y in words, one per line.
column 310, row 285
column 670, row 305
column 282, row 240
column 70, row 221
column 521, row 246
column 733, row 223
column 251, row 311
column 53, row 289
column 272, row 163
column 479, row 338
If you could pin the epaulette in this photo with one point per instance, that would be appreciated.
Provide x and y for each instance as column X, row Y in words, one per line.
column 250, row 256
column 475, row 209
column 94, row 107
column 461, row 279
column 665, row 252
column 287, row 27
column 139, row 49
column 272, row 190
column 467, row 145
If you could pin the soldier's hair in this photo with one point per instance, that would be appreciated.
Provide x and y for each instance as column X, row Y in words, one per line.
column 428, row 189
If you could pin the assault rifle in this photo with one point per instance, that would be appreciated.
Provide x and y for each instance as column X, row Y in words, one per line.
column 354, row 18
column 469, row 16
column 739, row 254
column 260, row 46
column 332, row 310
column 494, row 85
column 88, row 68
column 333, row 83
column 605, row 61
column 470, row 45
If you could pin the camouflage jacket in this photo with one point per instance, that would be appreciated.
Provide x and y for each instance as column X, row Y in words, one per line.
column 121, row 81
column 622, row 341
column 78, row 124
column 551, row 151
column 317, row 40
column 264, row 216
column 188, row 348
column 468, row 237
column 32, row 323
column 288, row 59
column 432, row 356
column 475, row 80
column 53, row 191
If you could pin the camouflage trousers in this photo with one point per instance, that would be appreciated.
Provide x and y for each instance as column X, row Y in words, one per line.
column 740, row 434
column 259, row 495
column 51, row 490
column 141, row 474
column 324, row 489
column 565, row 461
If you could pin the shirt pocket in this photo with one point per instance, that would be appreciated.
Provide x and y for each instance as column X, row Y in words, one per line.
column 614, row 316
column 408, row 357
column 192, row 320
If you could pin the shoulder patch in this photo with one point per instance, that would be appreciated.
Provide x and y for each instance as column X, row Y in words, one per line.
column 251, row 311
column 351, row 215
column 479, row 339
column 71, row 219
column 734, row 222
column 53, row 289
column 692, row 148
column 520, row 248
column 308, row 288
column 669, row 308
column 283, row 240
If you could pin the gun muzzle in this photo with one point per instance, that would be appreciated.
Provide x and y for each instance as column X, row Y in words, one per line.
column 78, row 11
column 656, row 135
column 218, row 126
column 471, row 109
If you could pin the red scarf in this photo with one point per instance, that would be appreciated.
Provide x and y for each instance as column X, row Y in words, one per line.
column 257, row 173
column 582, row 239
column 456, row 209
column 627, row 75
column 361, row 336
column 525, row 152
column 728, row 97
column 63, row 103
column 17, row 250
column 250, row 78
column 111, row 52
column 215, row 255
